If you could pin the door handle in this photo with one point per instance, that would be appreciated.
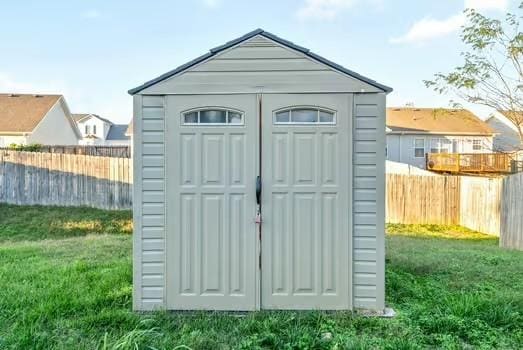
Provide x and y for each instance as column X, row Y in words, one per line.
column 258, row 189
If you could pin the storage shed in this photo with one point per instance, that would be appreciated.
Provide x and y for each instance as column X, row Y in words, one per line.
column 259, row 182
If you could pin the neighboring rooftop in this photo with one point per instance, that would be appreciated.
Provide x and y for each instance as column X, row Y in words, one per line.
column 510, row 116
column 117, row 132
column 21, row 113
column 79, row 116
column 507, row 137
column 435, row 120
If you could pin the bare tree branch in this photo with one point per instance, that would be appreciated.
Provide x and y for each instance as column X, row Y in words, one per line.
column 492, row 72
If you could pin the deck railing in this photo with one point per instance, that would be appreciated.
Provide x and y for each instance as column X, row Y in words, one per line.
column 470, row 162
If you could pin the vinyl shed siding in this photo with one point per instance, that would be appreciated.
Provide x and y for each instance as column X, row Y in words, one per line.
column 368, row 201
column 259, row 64
column 149, row 208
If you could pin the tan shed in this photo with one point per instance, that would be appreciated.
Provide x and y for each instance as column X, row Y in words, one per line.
column 259, row 182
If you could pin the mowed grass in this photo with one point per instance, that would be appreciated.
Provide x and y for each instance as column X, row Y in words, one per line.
column 65, row 283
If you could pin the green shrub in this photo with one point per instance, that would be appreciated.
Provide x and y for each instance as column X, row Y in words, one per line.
column 33, row 147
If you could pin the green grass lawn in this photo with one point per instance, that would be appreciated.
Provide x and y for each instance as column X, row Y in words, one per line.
column 65, row 283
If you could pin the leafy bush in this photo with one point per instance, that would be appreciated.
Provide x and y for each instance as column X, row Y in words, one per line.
column 33, row 147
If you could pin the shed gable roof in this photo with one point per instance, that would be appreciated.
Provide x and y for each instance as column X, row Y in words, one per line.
column 260, row 32
column 436, row 120
column 21, row 113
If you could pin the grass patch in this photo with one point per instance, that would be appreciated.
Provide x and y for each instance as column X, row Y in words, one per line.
column 41, row 222
column 453, row 232
column 451, row 289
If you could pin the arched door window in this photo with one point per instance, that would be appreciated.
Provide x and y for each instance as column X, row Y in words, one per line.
column 212, row 116
column 304, row 115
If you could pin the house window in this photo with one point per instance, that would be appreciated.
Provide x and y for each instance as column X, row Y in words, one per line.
column 477, row 145
column 440, row 146
column 215, row 116
column 419, row 148
column 94, row 129
column 87, row 129
column 304, row 115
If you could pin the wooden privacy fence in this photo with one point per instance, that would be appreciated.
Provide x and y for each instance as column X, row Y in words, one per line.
column 413, row 199
column 88, row 150
column 512, row 212
column 473, row 202
column 489, row 205
column 480, row 204
column 28, row 178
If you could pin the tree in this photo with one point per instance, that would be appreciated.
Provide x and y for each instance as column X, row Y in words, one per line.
column 492, row 72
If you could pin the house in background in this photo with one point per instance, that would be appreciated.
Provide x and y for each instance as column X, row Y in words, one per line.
column 414, row 132
column 99, row 131
column 507, row 136
column 129, row 130
column 30, row 119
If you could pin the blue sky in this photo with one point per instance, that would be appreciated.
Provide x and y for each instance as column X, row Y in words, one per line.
column 93, row 51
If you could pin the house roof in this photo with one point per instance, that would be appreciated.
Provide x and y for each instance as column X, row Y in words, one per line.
column 436, row 120
column 21, row 113
column 510, row 116
column 507, row 137
column 291, row 45
column 77, row 117
column 117, row 132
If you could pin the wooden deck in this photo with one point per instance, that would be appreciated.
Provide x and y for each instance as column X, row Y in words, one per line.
column 469, row 162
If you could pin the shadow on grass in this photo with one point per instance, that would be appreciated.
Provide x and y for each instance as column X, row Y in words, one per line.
column 449, row 232
column 18, row 223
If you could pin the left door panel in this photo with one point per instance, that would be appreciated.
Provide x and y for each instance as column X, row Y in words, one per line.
column 211, row 156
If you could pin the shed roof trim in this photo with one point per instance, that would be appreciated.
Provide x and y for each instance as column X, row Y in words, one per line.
column 289, row 44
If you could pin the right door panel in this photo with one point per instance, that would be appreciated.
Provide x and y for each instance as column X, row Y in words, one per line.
column 305, row 201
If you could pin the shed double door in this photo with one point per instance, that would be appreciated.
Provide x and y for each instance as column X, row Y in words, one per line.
column 218, row 256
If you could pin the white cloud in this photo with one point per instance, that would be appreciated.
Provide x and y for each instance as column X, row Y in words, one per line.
column 428, row 28
column 497, row 5
column 323, row 9
column 7, row 84
column 212, row 3
column 91, row 14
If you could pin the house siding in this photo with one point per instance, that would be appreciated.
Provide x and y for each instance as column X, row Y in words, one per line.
column 368, row 201
column 400, row 148
column 56, row 128
column 6, row 140
column 507, row 138
column 149, row 206
column 102, row 129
